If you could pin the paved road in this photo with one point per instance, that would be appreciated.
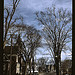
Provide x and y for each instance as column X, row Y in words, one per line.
column 50, row 73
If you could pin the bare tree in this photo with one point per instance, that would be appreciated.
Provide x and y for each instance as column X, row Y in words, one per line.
column 9, row 22
column 12, row 25
column 33, row 42
column 28, row 47
column 57, row 30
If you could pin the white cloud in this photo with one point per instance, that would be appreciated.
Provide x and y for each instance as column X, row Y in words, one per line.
column 36, row 5
column 26, row 8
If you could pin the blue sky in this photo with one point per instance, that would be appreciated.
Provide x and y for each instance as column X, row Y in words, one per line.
column 27, row 8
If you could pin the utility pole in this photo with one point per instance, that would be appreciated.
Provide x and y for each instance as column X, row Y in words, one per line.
column 10, row 56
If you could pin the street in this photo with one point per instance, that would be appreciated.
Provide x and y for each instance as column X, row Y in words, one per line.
column 49, row 73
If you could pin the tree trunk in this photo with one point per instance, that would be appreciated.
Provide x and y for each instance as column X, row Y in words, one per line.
column 60, row 63
column 57, row 66
column 33, row 65
column 10, row 72
column 30, row 66
column 25, row 68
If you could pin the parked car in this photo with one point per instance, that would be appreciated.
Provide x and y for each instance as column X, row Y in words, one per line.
column 35, row 72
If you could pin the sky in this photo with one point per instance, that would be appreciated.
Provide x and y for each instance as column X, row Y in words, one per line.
column 27, row 8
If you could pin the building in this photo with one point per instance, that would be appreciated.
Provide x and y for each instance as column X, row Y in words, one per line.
column 13, row 62
column 66, row 66
column 50, row 67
